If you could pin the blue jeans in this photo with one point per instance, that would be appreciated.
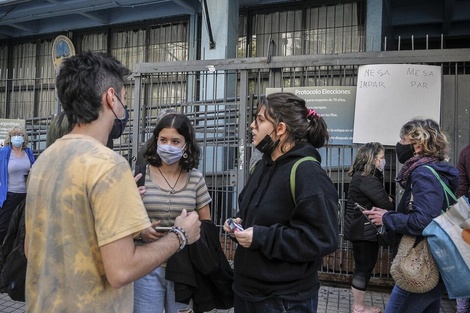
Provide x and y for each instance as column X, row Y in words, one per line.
column 153, row 293
column 463, row 305
column 406, row 302
column 276, row 305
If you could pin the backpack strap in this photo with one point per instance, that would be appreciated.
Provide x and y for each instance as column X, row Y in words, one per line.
column 140, row 169
column 294, row 169
column 446, row 188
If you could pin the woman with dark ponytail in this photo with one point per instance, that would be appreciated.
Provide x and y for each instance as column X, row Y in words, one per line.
column 285, row 234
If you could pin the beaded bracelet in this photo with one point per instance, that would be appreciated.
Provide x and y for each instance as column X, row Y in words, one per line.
column 182, row 237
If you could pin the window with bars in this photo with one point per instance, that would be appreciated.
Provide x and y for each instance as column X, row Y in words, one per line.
column 304, row 30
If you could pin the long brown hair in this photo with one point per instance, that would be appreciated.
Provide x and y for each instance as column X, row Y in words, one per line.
column 302, row 125
column 365, row 158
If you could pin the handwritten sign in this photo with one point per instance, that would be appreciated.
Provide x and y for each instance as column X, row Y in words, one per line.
column 389, row 95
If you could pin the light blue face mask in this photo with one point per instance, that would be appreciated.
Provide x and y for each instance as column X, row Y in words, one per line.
column 169, row 154
column 17, row 141
column 381, row 165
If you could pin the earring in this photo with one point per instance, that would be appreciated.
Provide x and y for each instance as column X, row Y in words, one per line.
column 185, row 155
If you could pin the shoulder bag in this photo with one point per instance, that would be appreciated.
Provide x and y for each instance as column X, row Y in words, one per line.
column 413, row 268
column 448, row 236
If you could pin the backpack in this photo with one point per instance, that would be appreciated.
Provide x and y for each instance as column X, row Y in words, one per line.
column 294, row 169
column 292, row 179
column 140, row 168
column 12, row 258
column 292, row 172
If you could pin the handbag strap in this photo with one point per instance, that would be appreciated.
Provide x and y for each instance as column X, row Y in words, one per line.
column 446, row 188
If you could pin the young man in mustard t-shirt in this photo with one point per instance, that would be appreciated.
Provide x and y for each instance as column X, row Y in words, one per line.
column 83, row 208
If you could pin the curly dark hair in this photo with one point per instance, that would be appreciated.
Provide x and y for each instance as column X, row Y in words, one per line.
column 83, row 79
column 183, row 126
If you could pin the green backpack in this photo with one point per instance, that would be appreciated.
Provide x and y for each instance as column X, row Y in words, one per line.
column 292, row 178
column 294, row 169
column 292, row 172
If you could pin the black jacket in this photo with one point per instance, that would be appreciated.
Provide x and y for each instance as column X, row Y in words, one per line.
column 289, row 239
column 368, row 191
column 202, row 273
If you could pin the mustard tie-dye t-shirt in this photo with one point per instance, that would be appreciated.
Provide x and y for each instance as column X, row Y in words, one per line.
column 81, row 195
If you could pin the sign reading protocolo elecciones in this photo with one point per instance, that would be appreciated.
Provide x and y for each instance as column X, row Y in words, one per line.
column 334, row 104
column 6, row 125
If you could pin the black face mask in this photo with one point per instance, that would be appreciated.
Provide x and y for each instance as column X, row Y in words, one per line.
column 119, row 125
column 404, row 152
column 267, row 145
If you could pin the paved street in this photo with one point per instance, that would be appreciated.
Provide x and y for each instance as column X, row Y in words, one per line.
column 331, row 300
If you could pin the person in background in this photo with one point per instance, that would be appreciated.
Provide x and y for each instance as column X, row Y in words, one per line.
column 173, row 184
column 82, row 215
column 141, row 163
column 59, row 127
column 422, row 143
column 366, row 189
column 285, row 238
column 463, row 304
column 16, row 159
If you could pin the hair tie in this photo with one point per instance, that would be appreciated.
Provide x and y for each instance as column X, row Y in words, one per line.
column 311, row 112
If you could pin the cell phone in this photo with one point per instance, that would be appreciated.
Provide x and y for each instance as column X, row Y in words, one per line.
column 360, row 207
column 162, row 229
column 234, row 226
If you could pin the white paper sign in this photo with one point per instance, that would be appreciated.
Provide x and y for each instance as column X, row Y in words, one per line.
column 389, row 95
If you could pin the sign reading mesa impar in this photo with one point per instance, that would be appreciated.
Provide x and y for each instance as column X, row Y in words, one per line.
column 389, row 95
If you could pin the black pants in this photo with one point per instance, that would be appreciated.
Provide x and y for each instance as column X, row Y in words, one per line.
column 365, row 257
column 276, row 305
column 9, row 206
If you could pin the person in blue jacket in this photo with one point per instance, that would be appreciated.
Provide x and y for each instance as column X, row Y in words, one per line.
column 285, row 236
column 422, row 143
column 15, row 161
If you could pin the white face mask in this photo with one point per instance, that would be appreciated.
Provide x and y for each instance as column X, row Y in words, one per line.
column 169, row 154
column 381, row 165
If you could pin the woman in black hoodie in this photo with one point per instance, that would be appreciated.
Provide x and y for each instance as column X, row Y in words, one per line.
column 285, row 234
column 367, row 190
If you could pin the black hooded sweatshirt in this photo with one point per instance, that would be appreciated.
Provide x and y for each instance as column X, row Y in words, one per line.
column 289, row 239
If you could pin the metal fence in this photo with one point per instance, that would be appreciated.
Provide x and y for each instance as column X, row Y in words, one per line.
column 220, row 96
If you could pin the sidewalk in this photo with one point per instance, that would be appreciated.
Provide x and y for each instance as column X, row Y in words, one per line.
column 339, row 300
column 330, row 300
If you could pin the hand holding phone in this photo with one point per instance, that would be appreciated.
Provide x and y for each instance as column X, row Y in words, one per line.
column 162, row 229
column 362, row 209
column 234, row 226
